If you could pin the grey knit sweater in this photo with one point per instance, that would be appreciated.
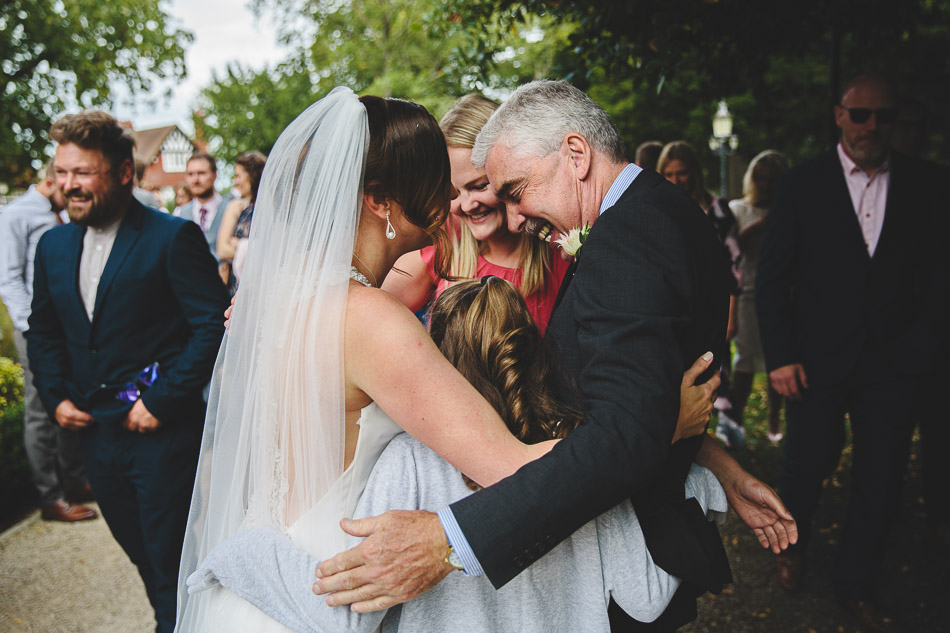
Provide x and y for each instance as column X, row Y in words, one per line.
column 567, row 590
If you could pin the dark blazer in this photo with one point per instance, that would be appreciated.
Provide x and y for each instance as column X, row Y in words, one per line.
column 649, row 296
column 822, row 300
column 159, row 300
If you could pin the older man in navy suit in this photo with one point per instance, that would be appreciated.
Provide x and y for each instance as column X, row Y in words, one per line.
column 125, row 326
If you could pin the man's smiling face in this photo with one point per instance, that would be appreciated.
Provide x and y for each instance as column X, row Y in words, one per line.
column 535, row 190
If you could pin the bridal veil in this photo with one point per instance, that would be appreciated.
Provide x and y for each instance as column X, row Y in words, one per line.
column 273, row 440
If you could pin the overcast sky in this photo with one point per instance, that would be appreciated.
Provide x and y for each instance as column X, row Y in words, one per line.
column 225, row 30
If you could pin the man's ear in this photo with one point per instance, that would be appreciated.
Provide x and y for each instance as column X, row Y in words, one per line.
column 126, row 171
column 578, row 152
column 378, row 204
column 840, row 114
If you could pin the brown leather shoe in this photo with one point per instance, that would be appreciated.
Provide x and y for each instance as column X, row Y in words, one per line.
column 62, row 510
column 81, row 494
column 791, row 568
column 869, row 616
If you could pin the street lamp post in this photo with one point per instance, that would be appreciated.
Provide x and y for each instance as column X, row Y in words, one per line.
column 723, row 141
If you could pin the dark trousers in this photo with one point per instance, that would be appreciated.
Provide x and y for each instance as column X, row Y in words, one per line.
column 931, row 415
column 878, row 403
column 53, row 452
column 143, row 483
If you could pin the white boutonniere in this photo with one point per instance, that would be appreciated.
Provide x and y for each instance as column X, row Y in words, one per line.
column 574, row 241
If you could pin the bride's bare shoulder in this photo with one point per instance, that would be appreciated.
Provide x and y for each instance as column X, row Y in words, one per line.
column 375, row 315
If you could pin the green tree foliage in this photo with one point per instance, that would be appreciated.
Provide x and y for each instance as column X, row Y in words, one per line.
column 660, row 66
column 57, row 54
column 401, row 48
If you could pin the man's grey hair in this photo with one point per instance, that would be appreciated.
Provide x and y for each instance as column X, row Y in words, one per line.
column 537, row 117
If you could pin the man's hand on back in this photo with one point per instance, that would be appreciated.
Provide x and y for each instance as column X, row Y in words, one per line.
column 402, row 557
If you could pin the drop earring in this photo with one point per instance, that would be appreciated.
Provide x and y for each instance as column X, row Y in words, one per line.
column 390, row 230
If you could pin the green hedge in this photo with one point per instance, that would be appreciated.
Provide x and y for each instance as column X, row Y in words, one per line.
column 14, row 470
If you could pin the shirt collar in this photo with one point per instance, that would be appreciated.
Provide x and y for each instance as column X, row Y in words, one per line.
column 623, row 180
column 850, row 167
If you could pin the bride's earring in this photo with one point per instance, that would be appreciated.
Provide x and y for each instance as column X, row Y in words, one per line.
column 390, row 230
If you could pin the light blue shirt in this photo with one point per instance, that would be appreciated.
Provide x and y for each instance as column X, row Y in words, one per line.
column 452, row 530
column 22, row 223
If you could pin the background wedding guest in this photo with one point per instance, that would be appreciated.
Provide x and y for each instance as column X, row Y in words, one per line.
column 52, row 452
column 758, row 189
column 481, row 242
column 145, row 196
column 648, row 154
column 679, row 164
column 207, row 208
column 183, row 196
column 122, row 339
column 851, row 310
column 236, row 223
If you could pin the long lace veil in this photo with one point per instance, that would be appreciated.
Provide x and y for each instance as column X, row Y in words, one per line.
column 273, row 440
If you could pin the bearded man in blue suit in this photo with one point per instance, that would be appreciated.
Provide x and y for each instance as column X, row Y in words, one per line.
column 123, row 334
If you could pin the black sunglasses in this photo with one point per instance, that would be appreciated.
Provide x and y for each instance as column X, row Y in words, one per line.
column 882, row 115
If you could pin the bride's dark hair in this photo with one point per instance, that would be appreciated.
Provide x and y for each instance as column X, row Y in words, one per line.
column 408, row 162
column 483, row 327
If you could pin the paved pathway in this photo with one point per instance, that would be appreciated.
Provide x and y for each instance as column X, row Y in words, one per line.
column 68, row 578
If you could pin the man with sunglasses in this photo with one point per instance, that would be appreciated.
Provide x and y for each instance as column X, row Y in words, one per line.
column 850, row 294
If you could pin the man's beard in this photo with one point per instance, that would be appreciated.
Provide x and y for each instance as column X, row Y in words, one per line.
column 204, row 195
column 102, row 210
column 872, row 150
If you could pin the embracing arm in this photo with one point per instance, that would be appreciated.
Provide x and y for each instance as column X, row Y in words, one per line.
column 202, row 297
column 415, row 287
column 753, row 500
column 392, row 359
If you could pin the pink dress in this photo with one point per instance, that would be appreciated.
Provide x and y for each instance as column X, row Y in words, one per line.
column 540, row 304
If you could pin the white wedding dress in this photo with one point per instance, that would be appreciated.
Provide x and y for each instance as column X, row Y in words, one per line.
column 317, row 532
column 273, row 443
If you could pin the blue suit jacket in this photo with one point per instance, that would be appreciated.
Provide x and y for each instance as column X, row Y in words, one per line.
column 159, row 300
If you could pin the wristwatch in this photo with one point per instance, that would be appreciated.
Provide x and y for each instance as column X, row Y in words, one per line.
column 453, row 559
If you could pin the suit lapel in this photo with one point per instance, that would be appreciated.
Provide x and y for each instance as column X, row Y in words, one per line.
column 644, row 180
column 892, row 217
column 72, row 256
column 840, row 201
column 125, row 239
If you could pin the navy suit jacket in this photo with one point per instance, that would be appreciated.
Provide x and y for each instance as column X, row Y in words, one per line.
column 823, row 301
column 159, row 300
column 649, row 296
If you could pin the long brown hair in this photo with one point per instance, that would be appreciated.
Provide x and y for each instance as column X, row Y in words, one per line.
column 253, row 163
column 408, row 162
column 686, row 154
column 483, row 327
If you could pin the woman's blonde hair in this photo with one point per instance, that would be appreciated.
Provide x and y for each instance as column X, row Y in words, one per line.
column 758, row 183
column 461, row 124
column 483, row 327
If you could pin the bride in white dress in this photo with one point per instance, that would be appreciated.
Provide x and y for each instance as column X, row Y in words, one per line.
column 315, row 352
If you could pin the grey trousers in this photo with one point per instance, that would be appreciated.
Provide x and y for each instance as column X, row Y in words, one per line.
column 52, row 451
